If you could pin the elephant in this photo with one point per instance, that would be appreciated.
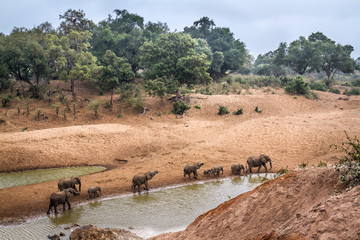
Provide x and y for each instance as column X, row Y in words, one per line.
column 236, row 169
column 69, row 183
column 216, row 170
column 93, row 192
column 62, row 197
column 142, row 178
column 258, row 162
column 192, row 168
column 207, row 172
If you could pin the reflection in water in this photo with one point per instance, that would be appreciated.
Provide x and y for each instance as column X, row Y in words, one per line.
column 148, row 214
column 44, row 175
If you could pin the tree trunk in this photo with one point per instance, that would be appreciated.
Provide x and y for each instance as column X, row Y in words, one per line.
column 111, row 98
column 72, row 88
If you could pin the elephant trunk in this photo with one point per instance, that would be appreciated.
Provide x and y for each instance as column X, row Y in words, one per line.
column 270, row 165
column 80, row 185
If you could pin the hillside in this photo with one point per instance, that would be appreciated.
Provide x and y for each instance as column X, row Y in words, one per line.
column 290, row 130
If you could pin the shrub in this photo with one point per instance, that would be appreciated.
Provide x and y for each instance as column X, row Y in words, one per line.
column 303, row 165
column 282, row 171
column 349, row 164
column 322, row 164
column 319, row 86
column 352, row 91
column 297, row 86
column 223, row 110
column 94, row 105
column 334, row 90
column 197, row 107
column 5, row 100
column 180, row 107
column 57, row 107
column 356, row 82
column 238, row 112
column 257, row 109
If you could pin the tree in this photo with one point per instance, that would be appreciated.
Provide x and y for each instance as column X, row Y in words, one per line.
column 220, row 40
column 172, row 61
column 74, row 20
column 303, row 56
column 70, row 57
column 114, row 72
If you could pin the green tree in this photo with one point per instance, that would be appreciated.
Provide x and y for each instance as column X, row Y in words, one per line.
column 114, row 72
column 74, row 20
column 173, row 57
column 70, row 57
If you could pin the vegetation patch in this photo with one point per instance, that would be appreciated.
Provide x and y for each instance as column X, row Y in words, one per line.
column 238, row 112
column 179, row 107
column 223, row 110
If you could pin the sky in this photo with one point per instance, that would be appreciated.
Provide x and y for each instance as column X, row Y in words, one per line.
column 261, row 24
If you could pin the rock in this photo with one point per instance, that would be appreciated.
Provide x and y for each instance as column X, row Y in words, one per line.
column 54, row 237
column 92, row 232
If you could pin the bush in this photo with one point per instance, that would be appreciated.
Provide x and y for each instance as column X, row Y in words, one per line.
column 297, row 86
column 257, row 109
column 238, row 112
column 322, row 164
column 5, row 100
column 197, row 107
column 319, row 86
column 94, row 105
column 349, row 164
column 352, row 91
column 334, row 90
column 282, row 171
column 223, row 110
column 356, row 82
column 180, row 107
column 303, row 165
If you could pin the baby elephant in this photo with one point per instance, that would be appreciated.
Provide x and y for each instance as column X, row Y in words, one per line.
column 192, row 168
column 61, row 198
column 216, row 170
column 93, row 192
column 236, row 169
column 207, row 172
column 141, row 179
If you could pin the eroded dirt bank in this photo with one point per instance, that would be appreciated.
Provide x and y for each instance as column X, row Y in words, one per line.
column 300, row 205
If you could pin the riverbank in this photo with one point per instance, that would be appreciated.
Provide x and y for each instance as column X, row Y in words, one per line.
column 292, row 131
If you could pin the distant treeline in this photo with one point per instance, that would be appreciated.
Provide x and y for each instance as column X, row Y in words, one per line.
column 122, row 47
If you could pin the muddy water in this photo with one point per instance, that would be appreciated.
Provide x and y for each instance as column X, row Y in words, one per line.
column 44, row 175
column 147, row 214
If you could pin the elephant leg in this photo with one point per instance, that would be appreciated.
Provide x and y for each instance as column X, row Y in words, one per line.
column 195, row 174
column 55, row 206
column 68, row 203
column 146, row 186
column 50, row 206
column 259, row 168
column 64, row 207
column 265, row 167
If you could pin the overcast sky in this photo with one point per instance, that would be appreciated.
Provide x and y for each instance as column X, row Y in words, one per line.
column 260, row 24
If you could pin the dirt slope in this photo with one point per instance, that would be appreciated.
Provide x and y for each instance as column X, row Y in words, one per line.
column 290, row 130
column 300, row 205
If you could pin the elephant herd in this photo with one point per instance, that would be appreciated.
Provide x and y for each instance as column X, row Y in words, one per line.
column 68, row 188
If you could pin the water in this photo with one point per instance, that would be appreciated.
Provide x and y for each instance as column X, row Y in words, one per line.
column 147, row 214
column 44, row 175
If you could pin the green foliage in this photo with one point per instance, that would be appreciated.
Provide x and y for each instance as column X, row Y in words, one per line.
column 197, row 107
column 132, row 95
column 257, row 109
column 6, row 99
column 319, row 86
column 57, row 107
column 303, row 165
column 238, row 112
column 349, row 164
column 334, row 90
column 180, row 107
column 223, row 110
column 94, row 105
column 282, row 171
column 298, row 86
column 356, row 82
column 352, row 91
column 322, row 164
column 24, row 129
